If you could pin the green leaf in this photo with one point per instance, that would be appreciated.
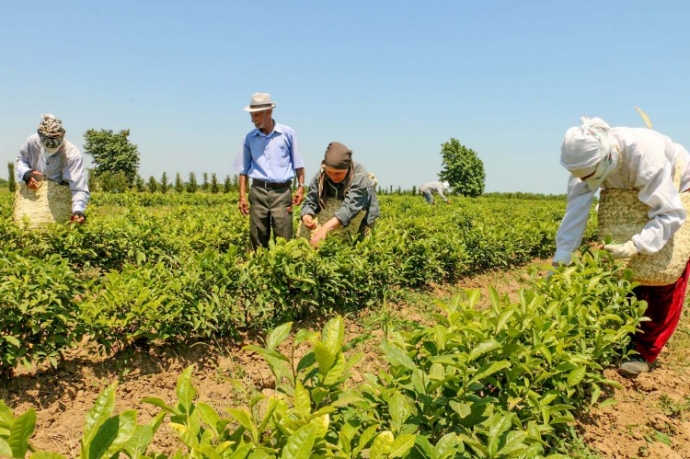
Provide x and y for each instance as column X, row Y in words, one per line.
column 139, row 441
column 336, row 371
column 13, row 340
column 245, row 419
column 113, row 435
column 483, row 348
column 489, row 369
column 243, row 451
column 307, row 361
column 381, row 446
column 20, row 432
column 463, row 409
column 185, row 389
column 608, row 402
column 6, row 416
column 514, row 443
column 302, row 400
column 402, row 445
column 278, row 335
column 155, row 401
column 503, row 318
column 333, row 333
column 325, row 357
column 397, row 357
column 209, row 416
column 96, row 416
column 576, row 375
column 365, row 438
column 272, row 405
column 300, row 444
column 446, row 446
column 5, row 450
column 267, row 352
column 399, row 409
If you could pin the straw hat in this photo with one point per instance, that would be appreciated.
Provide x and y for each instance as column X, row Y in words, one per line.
column 260, row 101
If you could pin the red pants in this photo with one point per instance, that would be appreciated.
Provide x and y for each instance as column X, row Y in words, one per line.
column 665, row 304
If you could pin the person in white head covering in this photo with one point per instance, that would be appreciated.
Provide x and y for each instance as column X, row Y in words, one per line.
column 46, row 155
column 439, row 187
column 599, row 156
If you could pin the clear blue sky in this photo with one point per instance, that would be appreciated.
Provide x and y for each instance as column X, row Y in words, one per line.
column 393, row 80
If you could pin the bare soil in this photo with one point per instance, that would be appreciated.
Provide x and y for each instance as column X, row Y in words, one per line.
column 651, row 417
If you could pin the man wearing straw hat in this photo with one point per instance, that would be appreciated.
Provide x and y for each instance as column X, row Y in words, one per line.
column 645, row 161
column 46, row 155
column 270, row 157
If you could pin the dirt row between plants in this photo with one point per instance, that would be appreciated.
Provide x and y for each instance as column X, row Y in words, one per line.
column 651, row 418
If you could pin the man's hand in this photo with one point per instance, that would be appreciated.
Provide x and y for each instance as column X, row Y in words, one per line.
column 78, row 217
column 298, row 197
column 309, row 222
column 627, row 250
column 33, row 179
column 448, row 202
column 243, row 205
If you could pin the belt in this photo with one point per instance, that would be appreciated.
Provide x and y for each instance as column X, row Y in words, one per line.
column 271, row 185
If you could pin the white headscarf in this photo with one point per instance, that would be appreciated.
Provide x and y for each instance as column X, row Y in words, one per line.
column 589, row 150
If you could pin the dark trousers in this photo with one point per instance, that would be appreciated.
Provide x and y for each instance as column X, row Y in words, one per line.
column 664, row 308
column 269, row 208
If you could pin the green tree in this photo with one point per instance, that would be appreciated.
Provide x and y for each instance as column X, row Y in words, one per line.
column 153, row 184
column 204, row 183
column 463, row 169
column 112, row 153
column 139, row 183
column 179, row 185
column 164, row 183
column 11, row 181
column 114, row 182
column 227, row 185
column 192, row 186
column 92, row 183
column 214, row 183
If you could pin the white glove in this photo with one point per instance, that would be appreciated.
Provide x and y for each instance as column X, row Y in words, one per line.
column 627, row 250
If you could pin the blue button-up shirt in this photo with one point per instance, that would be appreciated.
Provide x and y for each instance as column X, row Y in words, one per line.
column 271, row 158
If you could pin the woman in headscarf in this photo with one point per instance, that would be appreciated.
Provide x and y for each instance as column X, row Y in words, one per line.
column 629, row 158
column 46, row 155
column 342, row 195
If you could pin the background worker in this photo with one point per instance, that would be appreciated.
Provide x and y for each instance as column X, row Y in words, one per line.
column 439, row 187
column 270, row 157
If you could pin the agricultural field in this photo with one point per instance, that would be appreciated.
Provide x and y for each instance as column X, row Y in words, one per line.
column 153, row 331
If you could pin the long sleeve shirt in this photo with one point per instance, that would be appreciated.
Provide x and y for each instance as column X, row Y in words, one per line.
column 649, row 160
column 67, row 165
column 360, row 195
column 434, row 186
column 271, row 158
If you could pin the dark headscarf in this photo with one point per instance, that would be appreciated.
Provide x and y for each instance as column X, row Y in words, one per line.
column 337, row 156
